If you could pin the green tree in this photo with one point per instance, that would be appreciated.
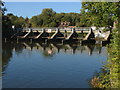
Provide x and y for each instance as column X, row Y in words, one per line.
column 58, row 17
column 34, row 21
column 47, row 16
column 17, row 21
column 67, row 18
column 100, row 13
column 6, row 22
column 109, row 77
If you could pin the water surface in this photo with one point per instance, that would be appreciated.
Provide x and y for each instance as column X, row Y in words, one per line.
column 39, row 65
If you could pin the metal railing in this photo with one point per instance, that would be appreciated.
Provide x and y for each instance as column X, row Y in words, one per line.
column 54, row 29
column 60, row 28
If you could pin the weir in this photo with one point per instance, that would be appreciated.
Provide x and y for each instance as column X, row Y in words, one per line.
column 66, row 34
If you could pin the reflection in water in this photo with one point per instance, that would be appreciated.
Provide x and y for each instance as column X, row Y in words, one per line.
column 59, row 70
column 52, row 48
column 6, row 54
column 49, row 49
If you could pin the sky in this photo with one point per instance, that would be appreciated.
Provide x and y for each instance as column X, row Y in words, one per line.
column 61, row 0
column 29, row 9
column 43, row 0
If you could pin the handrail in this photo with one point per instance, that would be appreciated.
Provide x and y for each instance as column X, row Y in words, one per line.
column 61, row 29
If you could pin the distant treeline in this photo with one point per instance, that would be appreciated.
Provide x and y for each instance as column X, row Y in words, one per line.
column 48, row 18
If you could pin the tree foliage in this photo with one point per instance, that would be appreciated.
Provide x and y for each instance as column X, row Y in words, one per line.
column 6, row 23
column 17, row 21
column 100, row 13
column 49, row 18
column 109, row 77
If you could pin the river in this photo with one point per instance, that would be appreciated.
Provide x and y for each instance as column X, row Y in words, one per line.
column 53, row 65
